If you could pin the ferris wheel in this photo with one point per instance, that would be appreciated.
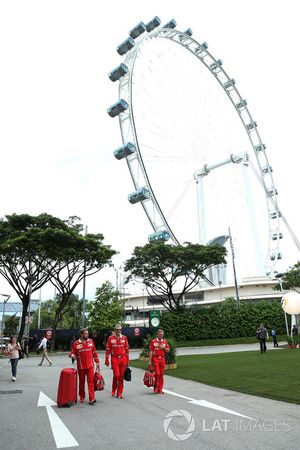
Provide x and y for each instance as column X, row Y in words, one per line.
column 193, row 150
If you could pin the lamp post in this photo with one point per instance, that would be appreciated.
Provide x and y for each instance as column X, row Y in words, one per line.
column 3, row 315
column 233, row 266
column 278, row 277
column 83, row 287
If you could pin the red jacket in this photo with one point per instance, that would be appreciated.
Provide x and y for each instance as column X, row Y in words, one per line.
column 117, row 346
column 155, row 345
column 85, row 353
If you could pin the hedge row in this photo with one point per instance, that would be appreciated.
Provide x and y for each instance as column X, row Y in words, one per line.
column 224, row 320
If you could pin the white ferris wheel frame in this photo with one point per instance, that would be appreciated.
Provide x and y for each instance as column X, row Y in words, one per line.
column 135, row 162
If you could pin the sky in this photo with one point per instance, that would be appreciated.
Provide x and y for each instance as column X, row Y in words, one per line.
column 57, row 141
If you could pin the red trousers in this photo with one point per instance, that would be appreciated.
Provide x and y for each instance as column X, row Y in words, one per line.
column 118, row 366
column 159, row 369
column 89, row 373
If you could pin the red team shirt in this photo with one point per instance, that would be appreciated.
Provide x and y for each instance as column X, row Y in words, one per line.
column 154, row 347
column 117, row 346
column 85, row 353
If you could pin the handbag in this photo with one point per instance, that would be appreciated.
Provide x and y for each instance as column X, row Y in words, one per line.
column 127, row 374
column 21, row 354
column 98, row 381
column 149, row 379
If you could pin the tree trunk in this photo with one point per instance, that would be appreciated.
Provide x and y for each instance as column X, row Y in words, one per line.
column 25, row 302
column 57, row 318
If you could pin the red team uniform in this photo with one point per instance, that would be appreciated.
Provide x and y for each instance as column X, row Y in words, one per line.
column 86, row 354
column 158, row 359
column 118, row 348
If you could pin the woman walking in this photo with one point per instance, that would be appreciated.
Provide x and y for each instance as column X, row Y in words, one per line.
column 13, row 351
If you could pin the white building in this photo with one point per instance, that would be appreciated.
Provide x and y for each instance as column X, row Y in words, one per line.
column 137, row 307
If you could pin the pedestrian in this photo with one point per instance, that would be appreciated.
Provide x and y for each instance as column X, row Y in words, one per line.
column 274, row 337
column 13, row 351
column 35, row 344
column 117, row 346
column 71, row 346
column 43, row 346
column 26, row 345
column 85, row 352
column 158, row 349
column 262, row 335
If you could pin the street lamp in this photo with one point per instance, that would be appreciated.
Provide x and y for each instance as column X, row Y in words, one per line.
column 278, row 277
column 233, row 266
column 3, row 313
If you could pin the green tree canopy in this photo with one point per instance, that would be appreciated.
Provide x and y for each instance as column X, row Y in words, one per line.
column 27, row 250
column 290, row 279
column 107, row 309
column 37, row 249
column 160, row 266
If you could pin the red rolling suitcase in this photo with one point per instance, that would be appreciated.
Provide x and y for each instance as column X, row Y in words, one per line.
column 67, row 388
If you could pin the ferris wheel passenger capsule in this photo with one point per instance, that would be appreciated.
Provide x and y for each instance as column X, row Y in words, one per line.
column 125, row 46
column 171, row 24
column 189, row 32
column 139, row 29
column 230, row 83
column 117, row 108
column 251, row 125
column 118, row 72
column 139, row 195
column 260, row 148
column 276, row 236
column 275, row 214
column 159, row 236
column 272, row 192
column 241, row 104
column 267, row 169
column 154, row 23
column 216, row 64
column 124, row 151
column 274, row 256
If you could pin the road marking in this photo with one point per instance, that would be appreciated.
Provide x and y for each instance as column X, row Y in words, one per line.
column 207, row 404
column 62, row 436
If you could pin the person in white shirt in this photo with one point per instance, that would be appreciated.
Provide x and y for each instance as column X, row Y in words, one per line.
column 43, row 346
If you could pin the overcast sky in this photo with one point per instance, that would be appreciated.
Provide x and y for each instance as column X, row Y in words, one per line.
column 56, row 138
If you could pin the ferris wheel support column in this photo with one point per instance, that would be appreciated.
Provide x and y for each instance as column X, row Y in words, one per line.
column 201, row 209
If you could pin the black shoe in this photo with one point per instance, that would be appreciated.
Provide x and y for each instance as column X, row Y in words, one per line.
column 92, row 402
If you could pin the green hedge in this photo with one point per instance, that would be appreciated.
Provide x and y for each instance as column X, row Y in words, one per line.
column 224, row 320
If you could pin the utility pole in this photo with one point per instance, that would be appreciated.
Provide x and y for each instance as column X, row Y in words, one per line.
column 3, row 315
column 83, row 288
column 233, row 266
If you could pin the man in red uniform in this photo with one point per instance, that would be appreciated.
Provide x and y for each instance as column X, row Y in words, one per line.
column 85, row 352
column 158, row 349
column 117, row 347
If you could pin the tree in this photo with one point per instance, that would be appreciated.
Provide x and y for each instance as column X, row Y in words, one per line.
column 84, row 256
column 107, row 309
column 69, row 318
column 160, row 266
column 37, row 249
column 290, row 279
column 27, row 249
column 11, row 324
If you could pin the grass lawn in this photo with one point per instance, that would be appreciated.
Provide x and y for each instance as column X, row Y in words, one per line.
column 224, row 341
column 274, row 374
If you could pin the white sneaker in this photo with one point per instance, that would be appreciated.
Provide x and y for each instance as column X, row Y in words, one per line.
column 13, row 379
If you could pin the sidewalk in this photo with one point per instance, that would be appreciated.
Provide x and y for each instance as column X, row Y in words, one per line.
column 134, row 353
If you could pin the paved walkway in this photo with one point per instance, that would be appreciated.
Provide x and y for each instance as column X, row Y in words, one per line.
column 134, row 354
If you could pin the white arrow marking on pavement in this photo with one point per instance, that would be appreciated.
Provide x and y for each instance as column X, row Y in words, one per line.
column 63, row 437
column 207, row 404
